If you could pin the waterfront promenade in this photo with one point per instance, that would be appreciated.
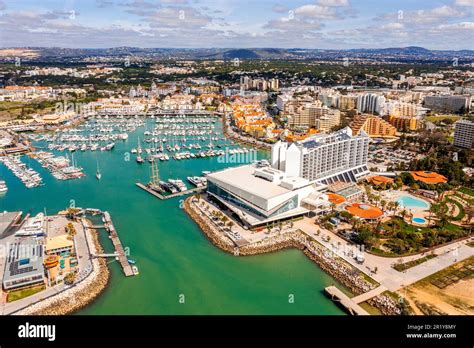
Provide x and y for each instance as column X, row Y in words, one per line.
column 239, row 138
column 386, row 275
column 353, row 279
column 377, row 268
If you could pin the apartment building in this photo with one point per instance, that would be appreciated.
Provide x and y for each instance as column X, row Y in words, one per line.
column 464, row 134
column 373, row 126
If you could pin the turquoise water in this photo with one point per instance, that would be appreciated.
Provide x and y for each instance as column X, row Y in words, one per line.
column 173, row 256
column 412, row 202
column 419, row 220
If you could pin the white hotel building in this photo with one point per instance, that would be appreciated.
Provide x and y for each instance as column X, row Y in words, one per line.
column 296, row 181
column 324, row 158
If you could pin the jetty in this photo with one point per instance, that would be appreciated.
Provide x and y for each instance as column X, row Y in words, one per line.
column 119, row 251
column 108, row 225
column 172, row 195
column 351, row 306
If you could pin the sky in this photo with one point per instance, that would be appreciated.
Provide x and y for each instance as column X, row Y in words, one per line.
column 324, row 24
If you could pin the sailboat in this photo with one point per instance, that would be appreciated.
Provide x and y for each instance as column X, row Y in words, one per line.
column 154, row 183
column 98, row 174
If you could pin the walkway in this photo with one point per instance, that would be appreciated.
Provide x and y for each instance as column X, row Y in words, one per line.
column 369, row 294
column 387, row 276
column 348, row 303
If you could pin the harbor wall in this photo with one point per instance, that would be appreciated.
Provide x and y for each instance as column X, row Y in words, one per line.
column 349, row 276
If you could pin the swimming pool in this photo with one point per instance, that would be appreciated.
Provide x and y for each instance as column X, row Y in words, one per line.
column 410, row 202
column 419, row 220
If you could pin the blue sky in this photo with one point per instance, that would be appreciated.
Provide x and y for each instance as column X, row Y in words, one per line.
column 435, row 24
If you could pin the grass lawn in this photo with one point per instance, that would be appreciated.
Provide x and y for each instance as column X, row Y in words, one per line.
column 400, row 267
column 461, row 214
column 401, row 238
column 467, row 191
column 442, row 117
column 19, row 294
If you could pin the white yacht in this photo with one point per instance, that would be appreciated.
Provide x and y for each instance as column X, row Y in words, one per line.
column 3, row 187
column 33, row 226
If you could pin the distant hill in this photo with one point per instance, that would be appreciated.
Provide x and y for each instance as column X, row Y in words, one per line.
column 391, row 53
column 252, row 53
column 412, row 50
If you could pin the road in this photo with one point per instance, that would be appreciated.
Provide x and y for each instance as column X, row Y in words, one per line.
column 386, row 275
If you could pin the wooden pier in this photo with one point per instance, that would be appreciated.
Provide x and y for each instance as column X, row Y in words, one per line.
column 338, row 296
column 172, row 195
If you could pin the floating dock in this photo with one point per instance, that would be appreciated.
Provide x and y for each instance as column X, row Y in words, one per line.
column 172, row 195
column 122, row 258
column 338, row 296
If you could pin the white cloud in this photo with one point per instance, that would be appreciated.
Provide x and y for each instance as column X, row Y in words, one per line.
column 458, row 26
column 464, row 2
column 316, row 11
column 334, row 3
column 394, row 26
column 420, row 17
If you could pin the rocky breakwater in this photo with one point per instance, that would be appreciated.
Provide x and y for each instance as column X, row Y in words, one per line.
column 352, row 278
column 81, row 293
column 345, row 273
column 385, row 304
column 211, row 231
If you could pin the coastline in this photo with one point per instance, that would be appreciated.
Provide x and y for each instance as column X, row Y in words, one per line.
column 350, row 277
column 227, row 134
column 79, row 295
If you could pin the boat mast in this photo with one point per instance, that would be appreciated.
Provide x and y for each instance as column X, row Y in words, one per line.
column 155, row 176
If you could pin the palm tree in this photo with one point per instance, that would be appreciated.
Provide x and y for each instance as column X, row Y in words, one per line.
column 396, row 205
column 433, row 209
column 353, row 221
column 230, row 224
column 224, row 219
column 444, row 218
column 403, row 214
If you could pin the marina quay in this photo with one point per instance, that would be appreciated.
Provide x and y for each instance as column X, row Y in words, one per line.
column 8, row 221
column 53, row 259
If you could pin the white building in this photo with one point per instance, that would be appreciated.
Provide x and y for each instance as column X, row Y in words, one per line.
column 260, row 194
column 324, row 158
column 464, row 134
column 371, row 103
